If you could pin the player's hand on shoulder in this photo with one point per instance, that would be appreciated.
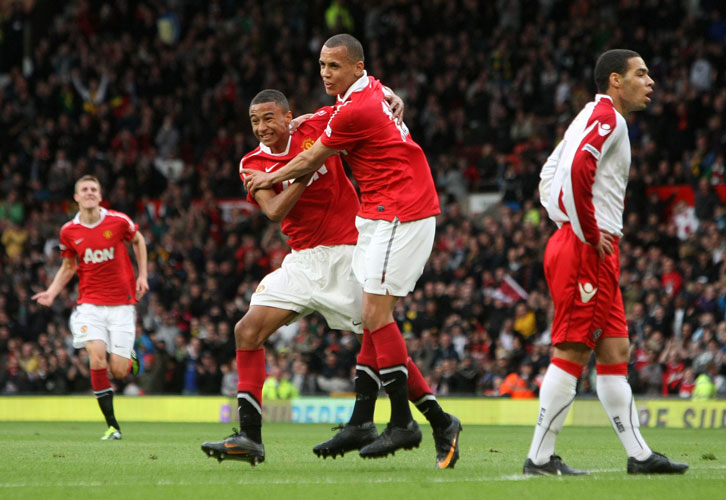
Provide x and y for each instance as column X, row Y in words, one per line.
column 296, row 122
column 397, row 107
column 395, row 104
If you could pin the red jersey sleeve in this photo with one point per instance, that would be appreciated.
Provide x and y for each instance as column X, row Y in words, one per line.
column 66, row 248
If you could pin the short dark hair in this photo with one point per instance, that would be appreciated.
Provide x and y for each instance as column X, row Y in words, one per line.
column 87, row 177
column 355, row 49
column 612, row 61
column 272, row 95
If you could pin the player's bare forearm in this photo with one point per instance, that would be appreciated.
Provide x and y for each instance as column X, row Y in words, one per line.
column 142, row 281
column 61, row 279
column 308, row 161
column 277, row 206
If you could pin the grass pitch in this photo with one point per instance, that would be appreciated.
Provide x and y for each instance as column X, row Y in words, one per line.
column 161, row 460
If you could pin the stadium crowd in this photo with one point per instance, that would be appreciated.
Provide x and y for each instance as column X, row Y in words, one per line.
column 152, row 96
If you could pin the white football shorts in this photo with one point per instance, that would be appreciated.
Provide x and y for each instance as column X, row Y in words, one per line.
column 114, row 325
column 316, row 279
column 390, row 256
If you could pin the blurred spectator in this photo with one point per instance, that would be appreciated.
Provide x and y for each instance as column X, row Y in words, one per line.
column 304, row 383
column 229, row 379
column 278, row 386
column 705, row 387
column 651, row 376
column 333, row 376
column 520, row 384
column 209, row 377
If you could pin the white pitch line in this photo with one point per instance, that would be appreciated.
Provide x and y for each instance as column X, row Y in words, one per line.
column 335, row 481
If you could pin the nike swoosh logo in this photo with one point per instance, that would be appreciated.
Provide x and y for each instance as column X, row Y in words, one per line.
column 389, row 382
column 587, row 292
column 356, row 323
column 267, row 169
column 235, row 452
column 443, row 464
column 78, row 242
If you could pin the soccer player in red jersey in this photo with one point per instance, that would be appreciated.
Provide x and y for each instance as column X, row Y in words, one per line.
column 93, row 244
column 396, row 225
column 583, row 189
column 317, row 213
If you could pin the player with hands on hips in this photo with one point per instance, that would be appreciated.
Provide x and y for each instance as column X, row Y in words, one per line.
column 582, row 188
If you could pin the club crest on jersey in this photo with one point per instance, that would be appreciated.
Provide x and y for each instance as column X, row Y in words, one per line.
column 84, row 329
column 260, row 288
column 307, row 144
column 587, row 292
column 108, row 234
column 98, row 256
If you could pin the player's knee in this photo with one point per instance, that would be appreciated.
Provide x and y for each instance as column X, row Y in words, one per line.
column 613, row 351
column 97, row 361
column 247, row 334
column 119, row 372
column 377, row 311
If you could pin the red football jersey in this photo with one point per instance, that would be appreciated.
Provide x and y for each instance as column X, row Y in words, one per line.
column 390, row 168
column 325, row 212
column 105, row 274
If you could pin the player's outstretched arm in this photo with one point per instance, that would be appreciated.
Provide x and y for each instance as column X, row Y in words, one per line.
column 307, row 161
column 277, row 206
column 142, row 281
column 61, row 279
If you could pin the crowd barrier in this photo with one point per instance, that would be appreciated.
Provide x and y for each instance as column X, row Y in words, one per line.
column 669, row 413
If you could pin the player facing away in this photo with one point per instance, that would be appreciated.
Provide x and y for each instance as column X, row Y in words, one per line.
column 583, row 189
column 317, row 213
column 93, row 244
column 396, row 225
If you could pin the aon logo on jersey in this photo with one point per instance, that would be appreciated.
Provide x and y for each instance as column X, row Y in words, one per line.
column 98, row 256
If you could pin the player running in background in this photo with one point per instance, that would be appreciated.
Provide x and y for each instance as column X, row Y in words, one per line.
column 583, row 189
column 104, row 320
column 396, row 225
column 316, row 276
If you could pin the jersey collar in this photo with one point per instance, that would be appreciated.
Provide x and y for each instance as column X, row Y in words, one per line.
column 357, row 86
column 598, row 97
column 268, row 151
column 77, row 218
